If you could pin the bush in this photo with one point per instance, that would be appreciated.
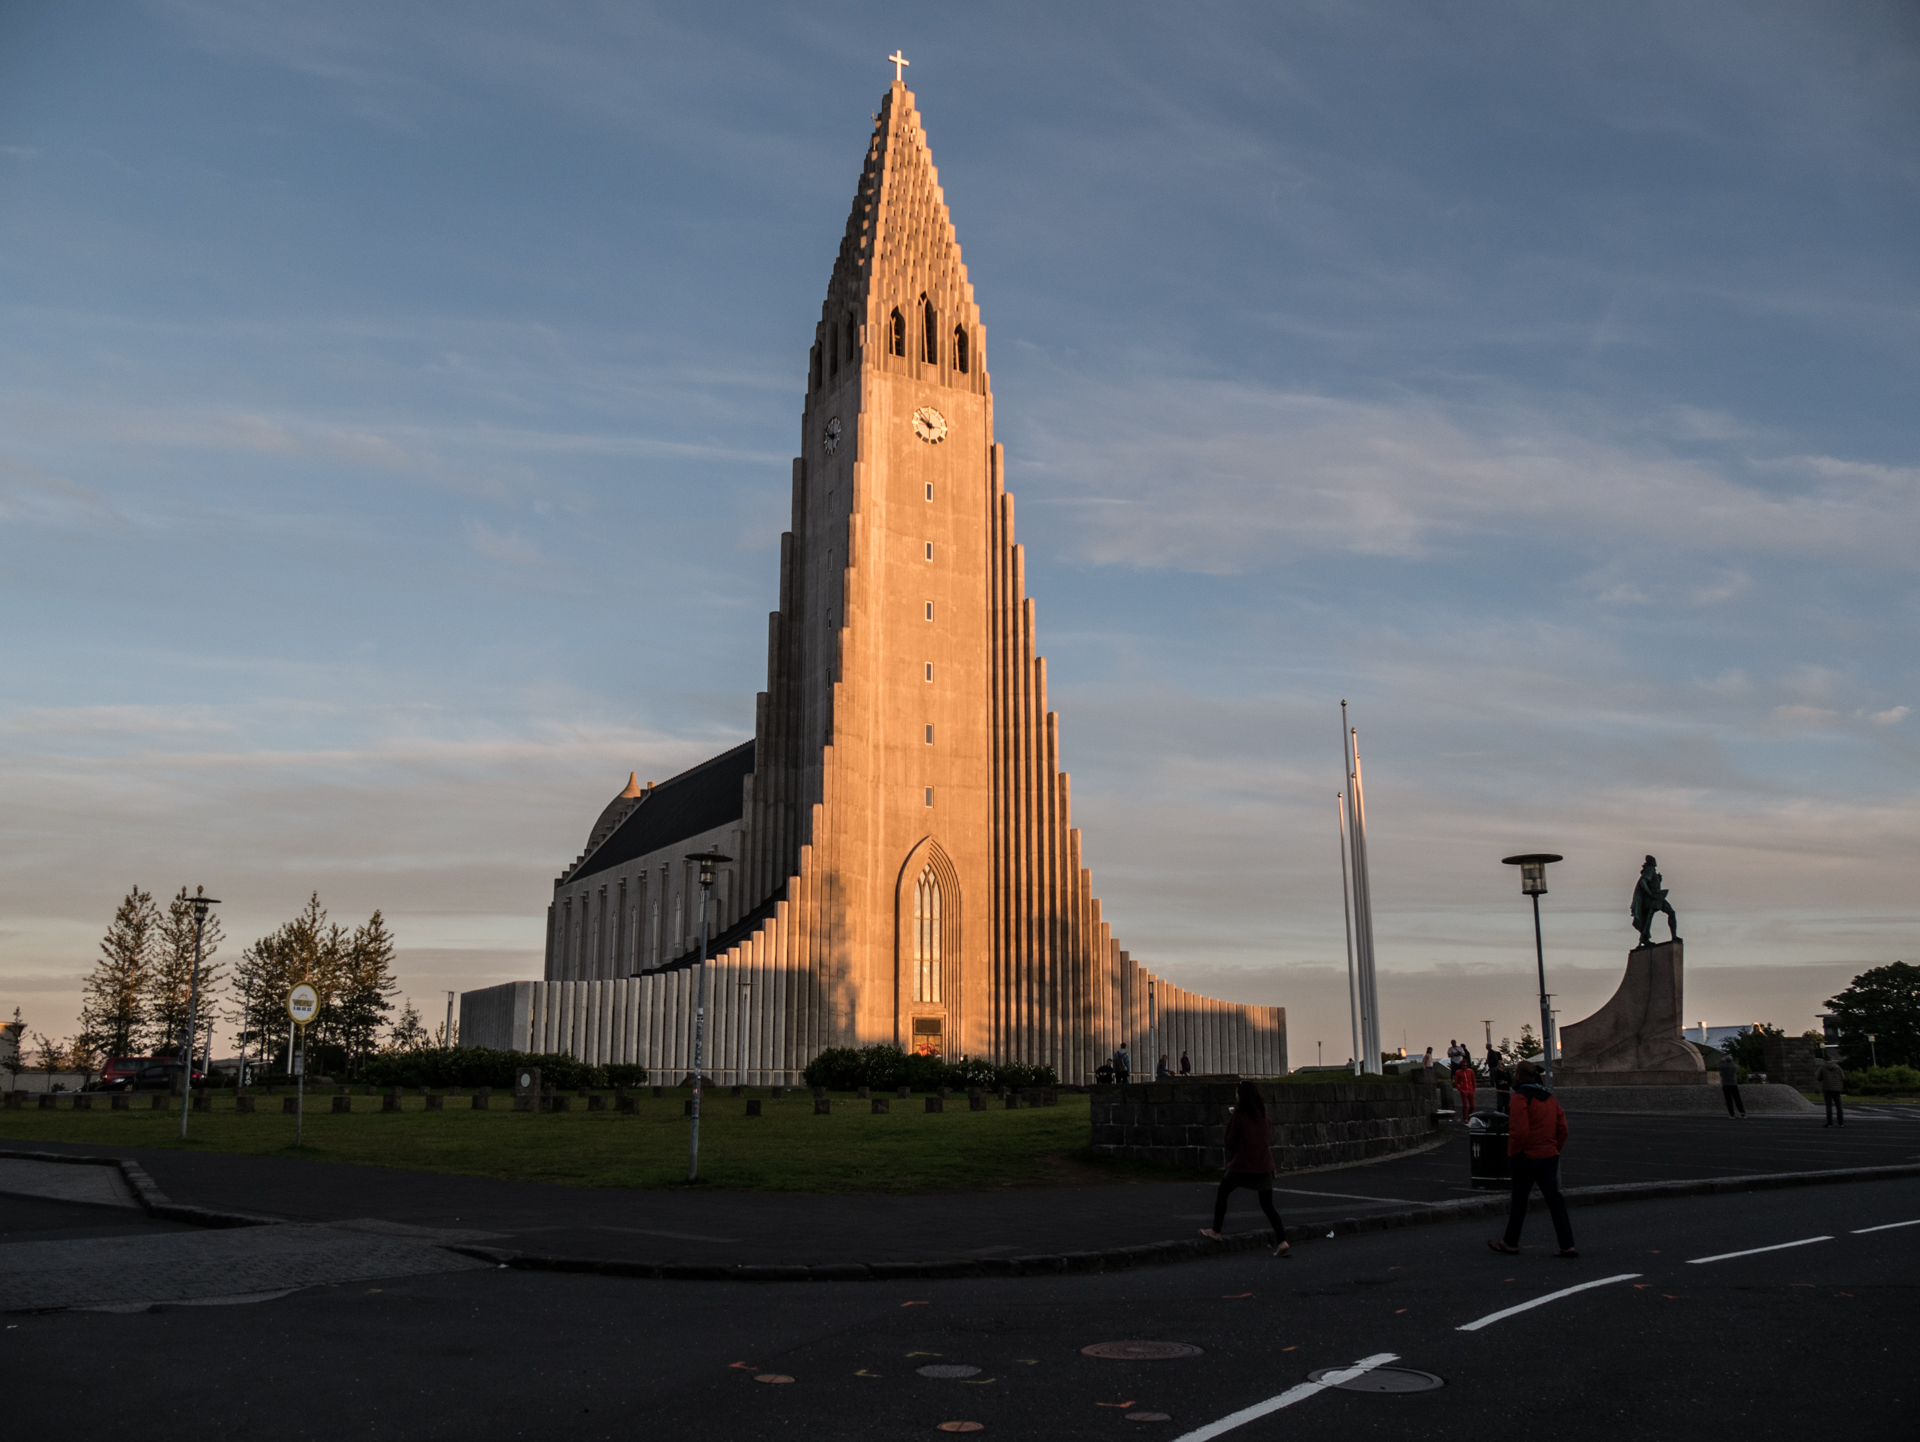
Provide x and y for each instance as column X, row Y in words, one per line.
column 1881, row 1080
column 845, row 1069
column 479, row 1066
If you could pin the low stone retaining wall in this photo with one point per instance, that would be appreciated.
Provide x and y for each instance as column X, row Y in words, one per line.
column 1184, row 1123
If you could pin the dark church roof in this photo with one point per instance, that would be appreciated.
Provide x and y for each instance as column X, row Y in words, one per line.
column 709, row 795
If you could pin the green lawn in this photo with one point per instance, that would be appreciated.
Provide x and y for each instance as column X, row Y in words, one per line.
column 787, row 1148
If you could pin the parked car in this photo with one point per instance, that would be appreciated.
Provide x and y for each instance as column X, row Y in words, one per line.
column 155, row 1076
column 119, row 1068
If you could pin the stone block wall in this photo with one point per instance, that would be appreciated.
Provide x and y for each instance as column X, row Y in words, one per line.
column 1184, row 1123
column 1791, row 1059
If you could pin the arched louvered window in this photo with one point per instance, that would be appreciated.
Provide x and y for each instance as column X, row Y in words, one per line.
column 926, row 937
column 899, row 339
column 930, row 332
column 961, row 359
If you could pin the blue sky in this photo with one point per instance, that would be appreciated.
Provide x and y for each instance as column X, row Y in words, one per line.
column 396, row 405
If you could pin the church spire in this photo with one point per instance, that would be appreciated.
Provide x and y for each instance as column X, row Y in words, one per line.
column 899, row 290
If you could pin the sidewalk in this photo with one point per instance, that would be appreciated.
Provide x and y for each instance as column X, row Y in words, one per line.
column 771, row 1229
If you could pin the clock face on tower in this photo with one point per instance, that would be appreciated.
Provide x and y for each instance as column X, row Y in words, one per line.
column 830, row 437
column 929, row 425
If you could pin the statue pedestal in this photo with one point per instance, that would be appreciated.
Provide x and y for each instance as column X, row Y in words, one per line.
column 1635, row 1040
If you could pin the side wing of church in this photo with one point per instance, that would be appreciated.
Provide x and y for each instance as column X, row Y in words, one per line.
column 905, row 869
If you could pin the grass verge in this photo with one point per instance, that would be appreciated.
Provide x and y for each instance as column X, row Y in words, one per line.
column 786, row 1148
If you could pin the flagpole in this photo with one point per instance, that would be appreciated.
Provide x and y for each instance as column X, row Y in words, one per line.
column 1346, row 915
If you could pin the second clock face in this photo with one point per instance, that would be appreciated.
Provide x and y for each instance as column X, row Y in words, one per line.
column 830, row 437
column 929, row 425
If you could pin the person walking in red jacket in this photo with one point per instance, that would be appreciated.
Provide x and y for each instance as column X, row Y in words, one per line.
column 1249, row 1144
column 1467, row 1084
column 1536, row 1131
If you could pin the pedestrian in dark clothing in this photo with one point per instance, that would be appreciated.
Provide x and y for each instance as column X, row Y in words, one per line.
column 1832, row 1081
column 1535, row 1135
column 1502, row 1080
column 1249, row 1144
column 1186, row 1065
column 1161, row 1071
column 1122, row 1065
column 1730, row 1088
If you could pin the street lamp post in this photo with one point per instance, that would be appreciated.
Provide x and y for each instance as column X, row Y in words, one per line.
column 1873, row 1052
column 200, row 902
column 706, row 860
column 1533, row 882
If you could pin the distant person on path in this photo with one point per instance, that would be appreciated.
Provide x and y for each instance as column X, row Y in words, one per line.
column 1454, row 1054
column 1730, row 1087
column 1535, row 1135
column 1122, row 1065
column 1466, row 1083
column 1161, row 1071
column 1249, row 1145
column 1426, row 1067
column 1502, row 1080
column 1832, row 1081
column 1186, row 1065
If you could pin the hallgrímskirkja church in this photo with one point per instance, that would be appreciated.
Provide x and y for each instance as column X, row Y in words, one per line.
column 905, row 869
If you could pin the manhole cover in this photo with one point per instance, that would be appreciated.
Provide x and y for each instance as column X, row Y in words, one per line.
column 1141, row 1351
column 1382, row 1379
column 942, row 1369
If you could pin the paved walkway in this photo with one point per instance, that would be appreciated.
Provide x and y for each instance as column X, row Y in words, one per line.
column 774, row 1228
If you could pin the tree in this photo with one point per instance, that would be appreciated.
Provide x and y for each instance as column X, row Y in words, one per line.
column 1529, row 1044
column 367, row 984
column 114, row 1003
column 1748, row 1048
column 307, row 949
column 1884, row 1001
column 49, row 1056
column 170, row 978
column 408, row 1033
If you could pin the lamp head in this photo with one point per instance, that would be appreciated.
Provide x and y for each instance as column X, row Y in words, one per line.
column 707, row 861
column 1533, row 871
column 200, row 901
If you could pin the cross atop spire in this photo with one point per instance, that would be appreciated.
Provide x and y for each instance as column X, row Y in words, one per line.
column 899, row 61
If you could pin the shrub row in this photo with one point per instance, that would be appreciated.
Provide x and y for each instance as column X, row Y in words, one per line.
column 479, row 1066
column 845, row 1068
column 1881, row 1080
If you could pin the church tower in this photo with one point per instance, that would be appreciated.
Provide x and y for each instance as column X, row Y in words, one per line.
column 904, row 870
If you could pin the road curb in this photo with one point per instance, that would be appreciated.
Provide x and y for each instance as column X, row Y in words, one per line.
column 1150, row 1254
column 147, row 1192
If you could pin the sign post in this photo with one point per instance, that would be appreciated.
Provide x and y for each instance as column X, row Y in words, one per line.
column 302, row 1003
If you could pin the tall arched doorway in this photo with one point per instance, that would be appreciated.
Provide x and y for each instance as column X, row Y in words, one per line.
column 927, row 954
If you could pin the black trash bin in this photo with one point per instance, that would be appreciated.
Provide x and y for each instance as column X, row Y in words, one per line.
column 1489, row 1166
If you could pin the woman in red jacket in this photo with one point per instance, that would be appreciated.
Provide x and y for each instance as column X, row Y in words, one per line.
column 1536, row 1131
column 1249, row 1144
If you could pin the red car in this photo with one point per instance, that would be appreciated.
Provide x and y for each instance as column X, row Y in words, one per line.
column 119, row 1068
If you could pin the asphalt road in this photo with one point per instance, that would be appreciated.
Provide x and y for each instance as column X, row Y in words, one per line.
column 1805, row 1337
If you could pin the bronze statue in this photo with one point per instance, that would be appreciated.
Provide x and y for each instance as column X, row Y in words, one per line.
column 1649, row 900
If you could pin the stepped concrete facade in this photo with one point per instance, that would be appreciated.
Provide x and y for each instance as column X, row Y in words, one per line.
column 905, row 869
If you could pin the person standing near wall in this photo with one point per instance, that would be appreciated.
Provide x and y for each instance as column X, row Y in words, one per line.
column 1249, row 1146
column 1831, row 1078
column 1186, row 1064
column 1122, row 1065
column 1466, row 1083
column 1535, row 1136
column 1730, row 1087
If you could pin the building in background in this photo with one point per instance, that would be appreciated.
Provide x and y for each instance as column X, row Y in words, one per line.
column 905, row 869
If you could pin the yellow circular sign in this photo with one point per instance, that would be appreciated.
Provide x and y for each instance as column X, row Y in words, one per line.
column 302, row 1002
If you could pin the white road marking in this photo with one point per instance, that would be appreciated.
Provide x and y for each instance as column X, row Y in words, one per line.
column 1756, row 1251
column 1352, row 1197
column 1492, row 1317
column 1287, row 1398
column 1886, row 1227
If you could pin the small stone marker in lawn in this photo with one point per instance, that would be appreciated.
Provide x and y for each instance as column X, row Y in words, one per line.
column 659, row 1091
column 161, row 1101
column 865, row 1092
column 976, row 1101
column 289, row 1105
column 482, row 1098
column 625, row 1103
column 596, row 1103
column 822, row 1107
column 391, row 1101
column 904, row 1093
column 753, row 1107
column 46, row 1101
column 341, row 1103
column 880, row 1105
column 936, row 1104
column 120, row 1100
column 240, row 1104
column 436, row 1102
